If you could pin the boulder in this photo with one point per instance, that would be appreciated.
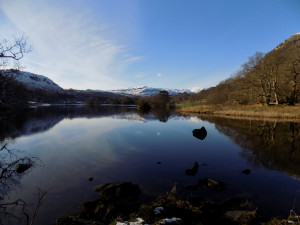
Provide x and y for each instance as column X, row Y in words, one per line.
column 200, row 133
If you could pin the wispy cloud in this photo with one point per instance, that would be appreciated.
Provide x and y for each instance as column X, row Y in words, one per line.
column 70, row 46
column 159, row 75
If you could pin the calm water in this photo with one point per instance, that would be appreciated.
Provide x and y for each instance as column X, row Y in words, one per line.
column 68, row 145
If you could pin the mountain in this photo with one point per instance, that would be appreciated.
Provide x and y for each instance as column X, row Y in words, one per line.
column 148, row 91
column 35, row 81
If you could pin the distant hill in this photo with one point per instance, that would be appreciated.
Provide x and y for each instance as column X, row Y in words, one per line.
column 148, row 91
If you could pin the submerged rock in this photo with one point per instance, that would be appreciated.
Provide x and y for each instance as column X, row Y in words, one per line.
column 246, row 171
column 119, row 192
column 200, row 133
column 22, row 167
column 193, row 171
column 212, row 184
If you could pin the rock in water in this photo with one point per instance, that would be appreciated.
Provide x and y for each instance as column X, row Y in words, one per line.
column 212, row 184
column 200, row 133
column 193, row 171
column 246, row 171
column 22, row 167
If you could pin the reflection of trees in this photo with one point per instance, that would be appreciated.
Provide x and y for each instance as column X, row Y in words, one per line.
column 276, row 145
column 12, row 168
column 160, row 114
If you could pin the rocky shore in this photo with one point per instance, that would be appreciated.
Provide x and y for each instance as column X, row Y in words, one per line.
column 118, row 204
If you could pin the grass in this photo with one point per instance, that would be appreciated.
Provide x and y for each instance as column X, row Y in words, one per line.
column 258, row 111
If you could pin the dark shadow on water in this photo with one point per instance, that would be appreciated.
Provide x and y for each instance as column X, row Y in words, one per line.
column 273, row 144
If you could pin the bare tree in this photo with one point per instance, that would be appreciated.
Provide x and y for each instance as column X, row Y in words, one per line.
column 13, row 50
column 294, row 79
column 10, row 55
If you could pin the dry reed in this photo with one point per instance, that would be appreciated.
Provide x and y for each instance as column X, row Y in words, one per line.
column 285, row 112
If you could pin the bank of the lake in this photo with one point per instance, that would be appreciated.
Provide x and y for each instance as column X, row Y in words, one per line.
column 254, row 111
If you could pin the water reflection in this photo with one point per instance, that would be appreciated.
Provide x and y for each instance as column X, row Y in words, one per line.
column 154, row 150
column 35, row 120
column 273, row 144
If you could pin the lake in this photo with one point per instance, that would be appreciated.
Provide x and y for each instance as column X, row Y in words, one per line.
column 67, row 145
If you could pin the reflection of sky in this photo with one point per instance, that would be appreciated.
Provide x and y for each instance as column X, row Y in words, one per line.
column 115, row 149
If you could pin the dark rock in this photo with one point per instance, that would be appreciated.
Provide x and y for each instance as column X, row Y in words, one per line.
column 116, row 192
column 193, row 171
column 22, row 167
column 158, row 162
column 212, row 184
column 91, row 179
column 88, row 208
column 246, row 171
column 116, row 199
column 200, row 133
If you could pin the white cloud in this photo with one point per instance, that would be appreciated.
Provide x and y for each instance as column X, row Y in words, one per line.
column 72, row 47
column 159, row 75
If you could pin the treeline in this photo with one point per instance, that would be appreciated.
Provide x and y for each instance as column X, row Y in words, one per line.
column 162, row 100
column 120, row 100
column 272, row 78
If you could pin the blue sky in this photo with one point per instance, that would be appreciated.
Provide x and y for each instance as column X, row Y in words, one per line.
column 101, row 44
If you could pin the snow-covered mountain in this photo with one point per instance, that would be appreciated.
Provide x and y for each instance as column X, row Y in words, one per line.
column 148, row 91
column 35, row 81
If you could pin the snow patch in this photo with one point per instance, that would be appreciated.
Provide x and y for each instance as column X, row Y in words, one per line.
column 158, row 210
column 172, row 220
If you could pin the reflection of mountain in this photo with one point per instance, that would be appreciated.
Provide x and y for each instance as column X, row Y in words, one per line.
column 35, row 120
column 276, row 145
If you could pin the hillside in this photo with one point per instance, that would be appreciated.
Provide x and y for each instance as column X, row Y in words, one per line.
column 268, row 79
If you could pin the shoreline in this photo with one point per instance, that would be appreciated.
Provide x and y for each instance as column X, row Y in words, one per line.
column 286, row 113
